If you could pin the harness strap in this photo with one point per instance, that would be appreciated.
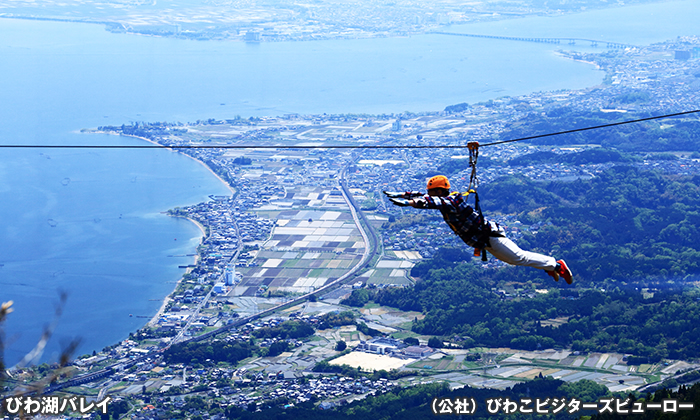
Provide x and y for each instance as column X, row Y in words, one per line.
column 473, row 147
column 480, row 228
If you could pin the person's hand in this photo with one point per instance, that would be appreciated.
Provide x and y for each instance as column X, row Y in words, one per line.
column 401, row 202
column 392, row 194
column 407, row 194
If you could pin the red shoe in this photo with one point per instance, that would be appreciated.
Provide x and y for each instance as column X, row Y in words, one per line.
column 553, row 274
column 564, row 271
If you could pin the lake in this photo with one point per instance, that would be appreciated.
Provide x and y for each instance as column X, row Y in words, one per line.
column 90, row 222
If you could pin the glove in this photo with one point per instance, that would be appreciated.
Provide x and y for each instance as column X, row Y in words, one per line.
column 407, row 194
column 393, row 194
column 401, row 202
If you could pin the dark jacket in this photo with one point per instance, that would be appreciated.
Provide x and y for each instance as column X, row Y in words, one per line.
column 466, row 222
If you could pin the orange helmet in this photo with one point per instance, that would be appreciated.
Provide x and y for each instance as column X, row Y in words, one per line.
column 439, row 181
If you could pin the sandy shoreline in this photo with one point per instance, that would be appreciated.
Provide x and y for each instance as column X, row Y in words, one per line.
column 201, row 227
column 167, row 299
column 594, row 64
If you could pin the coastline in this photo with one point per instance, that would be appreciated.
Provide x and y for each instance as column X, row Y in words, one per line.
column 564, row 55
column 201, row 227
column 167, row 299
column 168, row 148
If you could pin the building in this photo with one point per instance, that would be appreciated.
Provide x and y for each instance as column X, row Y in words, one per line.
column 252, row 36
column 682, row 55
column 417, row 352
column 230, row 275
column 381, row 346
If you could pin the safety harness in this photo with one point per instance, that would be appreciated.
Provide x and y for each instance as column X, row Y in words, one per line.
column 479, row 231
column 482, row 229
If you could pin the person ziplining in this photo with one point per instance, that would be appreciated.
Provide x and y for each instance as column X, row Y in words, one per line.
column 470, row 225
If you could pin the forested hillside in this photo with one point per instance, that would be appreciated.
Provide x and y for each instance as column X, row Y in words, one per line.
column 460, row 305
column 624, row 224
column 417, row 402
column 623, row 231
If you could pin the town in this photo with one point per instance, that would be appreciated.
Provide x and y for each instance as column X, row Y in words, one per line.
column 251, row 22
column 307, row 223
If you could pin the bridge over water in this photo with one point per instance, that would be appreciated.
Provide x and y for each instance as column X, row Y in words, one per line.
column 570, row 41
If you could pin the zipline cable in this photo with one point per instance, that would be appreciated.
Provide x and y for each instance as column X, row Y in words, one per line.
column 398, row 146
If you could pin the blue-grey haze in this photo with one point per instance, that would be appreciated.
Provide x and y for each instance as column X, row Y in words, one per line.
column 89, row 221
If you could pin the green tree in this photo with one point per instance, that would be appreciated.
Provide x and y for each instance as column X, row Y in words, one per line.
column 411, row 341
column 435, row 343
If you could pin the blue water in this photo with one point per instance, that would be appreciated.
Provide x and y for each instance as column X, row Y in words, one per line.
column 635, row 25
column 89, row 221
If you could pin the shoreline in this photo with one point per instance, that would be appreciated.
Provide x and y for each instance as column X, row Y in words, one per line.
column 167, row 299
column 564, row 55
column 201, row 227
column 111, row 133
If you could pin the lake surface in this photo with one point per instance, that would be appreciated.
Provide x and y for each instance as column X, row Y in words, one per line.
column 90, row 222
